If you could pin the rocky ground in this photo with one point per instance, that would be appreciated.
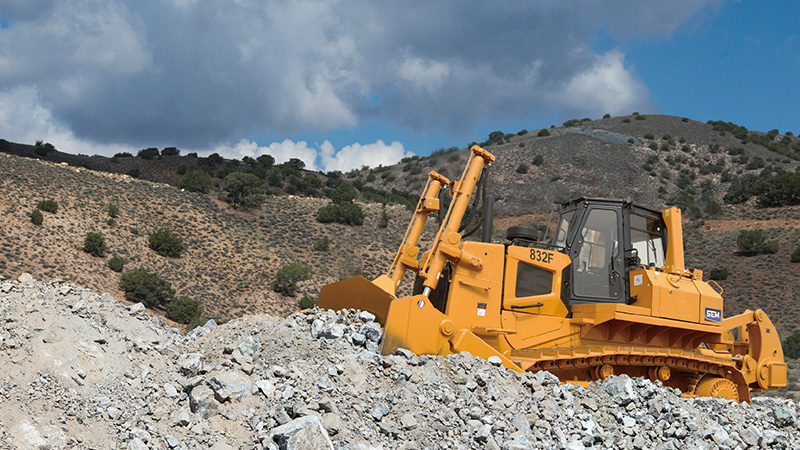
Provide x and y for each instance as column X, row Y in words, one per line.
column 80, row 370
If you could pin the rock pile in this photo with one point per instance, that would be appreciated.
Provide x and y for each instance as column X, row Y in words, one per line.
column 80, row 370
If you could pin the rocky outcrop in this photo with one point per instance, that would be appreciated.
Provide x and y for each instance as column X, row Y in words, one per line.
column 81, row 370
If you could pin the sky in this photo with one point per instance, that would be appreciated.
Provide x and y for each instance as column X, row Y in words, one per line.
column 346, row 83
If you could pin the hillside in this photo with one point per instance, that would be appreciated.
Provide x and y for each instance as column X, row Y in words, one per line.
column 231, row 257
column 657, row 160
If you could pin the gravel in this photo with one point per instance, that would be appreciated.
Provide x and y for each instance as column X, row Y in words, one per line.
column 88, row 376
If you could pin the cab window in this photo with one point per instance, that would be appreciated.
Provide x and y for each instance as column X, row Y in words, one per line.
column 647, row 237
column 592, row 270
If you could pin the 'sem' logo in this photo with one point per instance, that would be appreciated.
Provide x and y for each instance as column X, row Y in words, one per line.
column 713, row 315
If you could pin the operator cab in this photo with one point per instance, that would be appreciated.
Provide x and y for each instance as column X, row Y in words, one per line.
column 606, row 238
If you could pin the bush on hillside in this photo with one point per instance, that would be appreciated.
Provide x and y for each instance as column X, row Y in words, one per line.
column 184, row 309
column 148, row 153
column 753, row 242
column 538, row 160
column 116, row 263
column 780, row 190
column 170, row 151
column 543, row 132
column 384, row 221
column 37, row 217
column 796, row 255
column 347, row 214
column 342, row 209
column 49, row 205
column 244, row 190
column 166, row 243
column 43, row 148
column 196, row 181
column 95, row 244
column 713, row 209
column 343, row 193
column 719, row 274
column 141, row 286
column 791, row 345
column 322, row 244
column 307, row 302
column 288, row 276
column 113, row 210
column 522, row 168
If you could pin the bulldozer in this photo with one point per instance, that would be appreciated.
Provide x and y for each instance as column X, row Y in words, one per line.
column 606, row 292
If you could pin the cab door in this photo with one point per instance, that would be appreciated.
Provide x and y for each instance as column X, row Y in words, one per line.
column 597, row 257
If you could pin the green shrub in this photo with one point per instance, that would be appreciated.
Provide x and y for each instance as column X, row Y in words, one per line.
column 719, row 274
column 116, row 263
column 606, row 116
column 288, row 276
column 307, row 302
column 780, row 190
column 522, row 132
column 148, row 153
column 37, row 217
column 184, row 309
column 43, row 148
column 322, row 244
column 166, row 243
column 543, row 132
column 522, row 168
column 141, row 286
column 538, row 160
column 196, row 181
column 170, row 151
column 796, row 255
column 347, row 214
column 626, row 120
column 641, row 117
column 244, row 190
column 181, row 170
column 753, row 242
column 343, row 193
column 649, row 136
column 49, row 205
column 135, row 172
column 95, row 244
column 384, row 221
column 713, row 209
column 113, row 210
column 791, row 345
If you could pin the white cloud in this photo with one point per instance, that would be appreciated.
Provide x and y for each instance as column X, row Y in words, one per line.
column 24, row 119
column 606, row 86
column 281, row 151
column 356, row 155
column 324, row 157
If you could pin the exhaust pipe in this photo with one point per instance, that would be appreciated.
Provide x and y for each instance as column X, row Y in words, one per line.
column 488, row 217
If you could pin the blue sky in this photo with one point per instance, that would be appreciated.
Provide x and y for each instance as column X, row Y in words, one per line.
column 346, row 83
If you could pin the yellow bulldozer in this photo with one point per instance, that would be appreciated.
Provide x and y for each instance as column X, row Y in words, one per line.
column 606, row 293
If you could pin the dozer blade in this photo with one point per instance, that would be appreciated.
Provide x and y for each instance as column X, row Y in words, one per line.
column 358, row 293
column 409, row 322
